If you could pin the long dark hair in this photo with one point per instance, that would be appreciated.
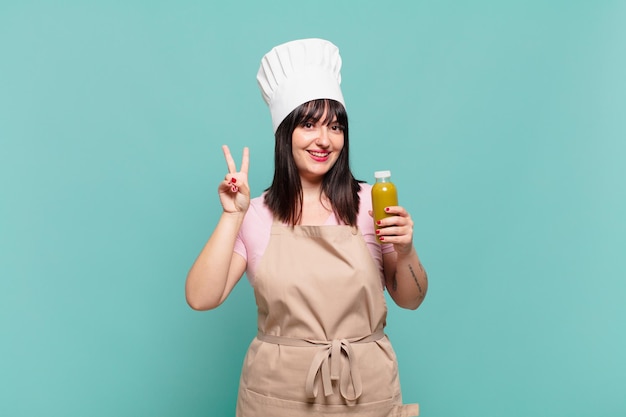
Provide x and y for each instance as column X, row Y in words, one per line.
column 284, row 196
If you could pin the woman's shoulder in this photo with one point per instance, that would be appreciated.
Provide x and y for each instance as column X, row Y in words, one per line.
column 258, row 210
column 365, row 196
column 258, row 202
column 257, row 218
column 365, row 188
column 365, row 204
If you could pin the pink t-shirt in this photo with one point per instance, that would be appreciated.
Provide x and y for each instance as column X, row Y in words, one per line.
column 254, row 234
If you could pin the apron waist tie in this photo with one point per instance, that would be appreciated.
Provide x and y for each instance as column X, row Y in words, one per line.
column 327, row 362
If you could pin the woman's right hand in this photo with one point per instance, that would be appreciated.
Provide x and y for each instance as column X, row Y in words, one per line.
column 234, row 191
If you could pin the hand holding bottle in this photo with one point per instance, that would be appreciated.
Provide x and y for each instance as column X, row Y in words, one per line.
column 392, row 222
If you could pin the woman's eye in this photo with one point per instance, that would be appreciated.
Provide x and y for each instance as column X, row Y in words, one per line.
column 337, row 128
column 307, row 125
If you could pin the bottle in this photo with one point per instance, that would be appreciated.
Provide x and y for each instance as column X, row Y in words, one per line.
column 384, row 194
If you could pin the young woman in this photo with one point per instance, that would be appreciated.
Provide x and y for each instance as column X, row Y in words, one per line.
column 308, row 246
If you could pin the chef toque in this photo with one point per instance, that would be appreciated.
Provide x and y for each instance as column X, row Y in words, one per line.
column 299, row 71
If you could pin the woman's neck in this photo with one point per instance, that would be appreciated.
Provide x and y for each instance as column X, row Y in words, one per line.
column 316, row 208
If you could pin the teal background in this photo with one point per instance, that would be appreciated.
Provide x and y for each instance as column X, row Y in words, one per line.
column 503, row 123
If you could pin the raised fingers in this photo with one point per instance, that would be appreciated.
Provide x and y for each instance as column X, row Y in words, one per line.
column 245, row 160
column 230, row 162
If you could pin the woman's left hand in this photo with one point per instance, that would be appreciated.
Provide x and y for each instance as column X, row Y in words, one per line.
column 396, row 229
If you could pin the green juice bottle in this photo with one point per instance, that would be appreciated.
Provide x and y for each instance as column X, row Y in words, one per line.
column 384, row 194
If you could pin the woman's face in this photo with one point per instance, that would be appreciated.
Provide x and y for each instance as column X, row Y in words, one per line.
column 316, row 147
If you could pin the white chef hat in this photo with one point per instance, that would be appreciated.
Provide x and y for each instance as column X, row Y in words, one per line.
column 299, row 71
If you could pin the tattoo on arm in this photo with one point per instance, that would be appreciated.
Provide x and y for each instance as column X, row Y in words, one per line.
column 423, row 271
column 419, row 287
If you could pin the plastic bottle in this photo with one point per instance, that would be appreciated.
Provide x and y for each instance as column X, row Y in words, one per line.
column 384, row 194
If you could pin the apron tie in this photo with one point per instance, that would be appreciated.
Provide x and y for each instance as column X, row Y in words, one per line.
column 327, row 364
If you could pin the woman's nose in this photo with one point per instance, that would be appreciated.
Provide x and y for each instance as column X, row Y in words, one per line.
column 322, row 136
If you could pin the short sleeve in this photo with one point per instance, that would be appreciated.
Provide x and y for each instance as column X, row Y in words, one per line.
column 366, row 226
column 254, row 235
column 240, row 248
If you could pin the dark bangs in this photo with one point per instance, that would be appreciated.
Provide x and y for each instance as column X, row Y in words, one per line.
column 313, row 111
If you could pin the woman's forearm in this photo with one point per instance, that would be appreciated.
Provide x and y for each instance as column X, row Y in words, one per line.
column 213, row 274
column 407, row 281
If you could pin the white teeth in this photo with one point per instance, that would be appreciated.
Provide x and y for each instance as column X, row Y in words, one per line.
column 319, row 154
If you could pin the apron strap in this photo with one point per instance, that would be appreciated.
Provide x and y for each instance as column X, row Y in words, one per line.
column 327, row 363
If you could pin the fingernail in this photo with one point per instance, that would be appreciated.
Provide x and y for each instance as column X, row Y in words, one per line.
column 381, row 238
column 377, row 231
column 234, row 188
column 233, row 180
column 378, row 222
column 386, row 208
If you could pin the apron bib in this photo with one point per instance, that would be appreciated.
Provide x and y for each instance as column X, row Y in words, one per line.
column 321, row 349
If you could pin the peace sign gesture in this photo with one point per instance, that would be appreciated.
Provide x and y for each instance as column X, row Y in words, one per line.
column 234, row 191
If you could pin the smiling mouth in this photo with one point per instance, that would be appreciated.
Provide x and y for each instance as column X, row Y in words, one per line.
column 319, row 154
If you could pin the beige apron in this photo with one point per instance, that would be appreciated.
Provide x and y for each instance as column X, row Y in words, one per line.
column 321, row 349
